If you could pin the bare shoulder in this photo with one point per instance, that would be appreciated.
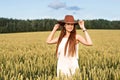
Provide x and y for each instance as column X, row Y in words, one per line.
column 78, row 36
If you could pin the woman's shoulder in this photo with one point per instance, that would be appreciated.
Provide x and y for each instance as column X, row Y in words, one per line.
column 78, row 36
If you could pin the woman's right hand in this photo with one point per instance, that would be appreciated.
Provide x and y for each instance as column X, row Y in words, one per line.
column 56, row 27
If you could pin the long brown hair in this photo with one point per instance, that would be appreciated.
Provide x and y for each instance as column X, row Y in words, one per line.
column 71, row 41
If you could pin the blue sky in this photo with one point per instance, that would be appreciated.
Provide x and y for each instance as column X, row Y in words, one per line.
column 57, row 9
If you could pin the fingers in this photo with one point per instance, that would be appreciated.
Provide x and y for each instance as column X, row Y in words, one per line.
column 56, row 26
column 80, row 21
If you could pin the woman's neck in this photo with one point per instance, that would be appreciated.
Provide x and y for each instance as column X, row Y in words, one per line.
column 67, row 34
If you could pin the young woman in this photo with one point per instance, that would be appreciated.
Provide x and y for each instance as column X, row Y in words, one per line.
column 67, row 44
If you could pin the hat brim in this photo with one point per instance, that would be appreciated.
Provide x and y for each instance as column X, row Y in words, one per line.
column 62, row 22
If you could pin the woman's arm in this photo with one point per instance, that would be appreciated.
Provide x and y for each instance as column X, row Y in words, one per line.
column 87, row 40
column 50, row 39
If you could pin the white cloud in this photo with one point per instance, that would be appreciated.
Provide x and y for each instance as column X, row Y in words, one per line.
column 57, row 5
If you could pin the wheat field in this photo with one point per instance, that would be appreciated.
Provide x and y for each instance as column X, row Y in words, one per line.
column 27, row 56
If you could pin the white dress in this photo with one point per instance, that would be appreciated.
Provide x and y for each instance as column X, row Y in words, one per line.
column 66, row 65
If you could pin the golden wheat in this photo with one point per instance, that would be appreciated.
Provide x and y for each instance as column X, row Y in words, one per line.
column 26, row 56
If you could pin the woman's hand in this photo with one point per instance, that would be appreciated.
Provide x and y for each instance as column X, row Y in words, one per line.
column 56, row 27
column 81, row 24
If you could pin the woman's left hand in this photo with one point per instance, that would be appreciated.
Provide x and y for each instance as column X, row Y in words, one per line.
column 81, row 24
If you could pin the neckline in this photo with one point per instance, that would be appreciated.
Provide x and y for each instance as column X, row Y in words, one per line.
column 65, row 38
